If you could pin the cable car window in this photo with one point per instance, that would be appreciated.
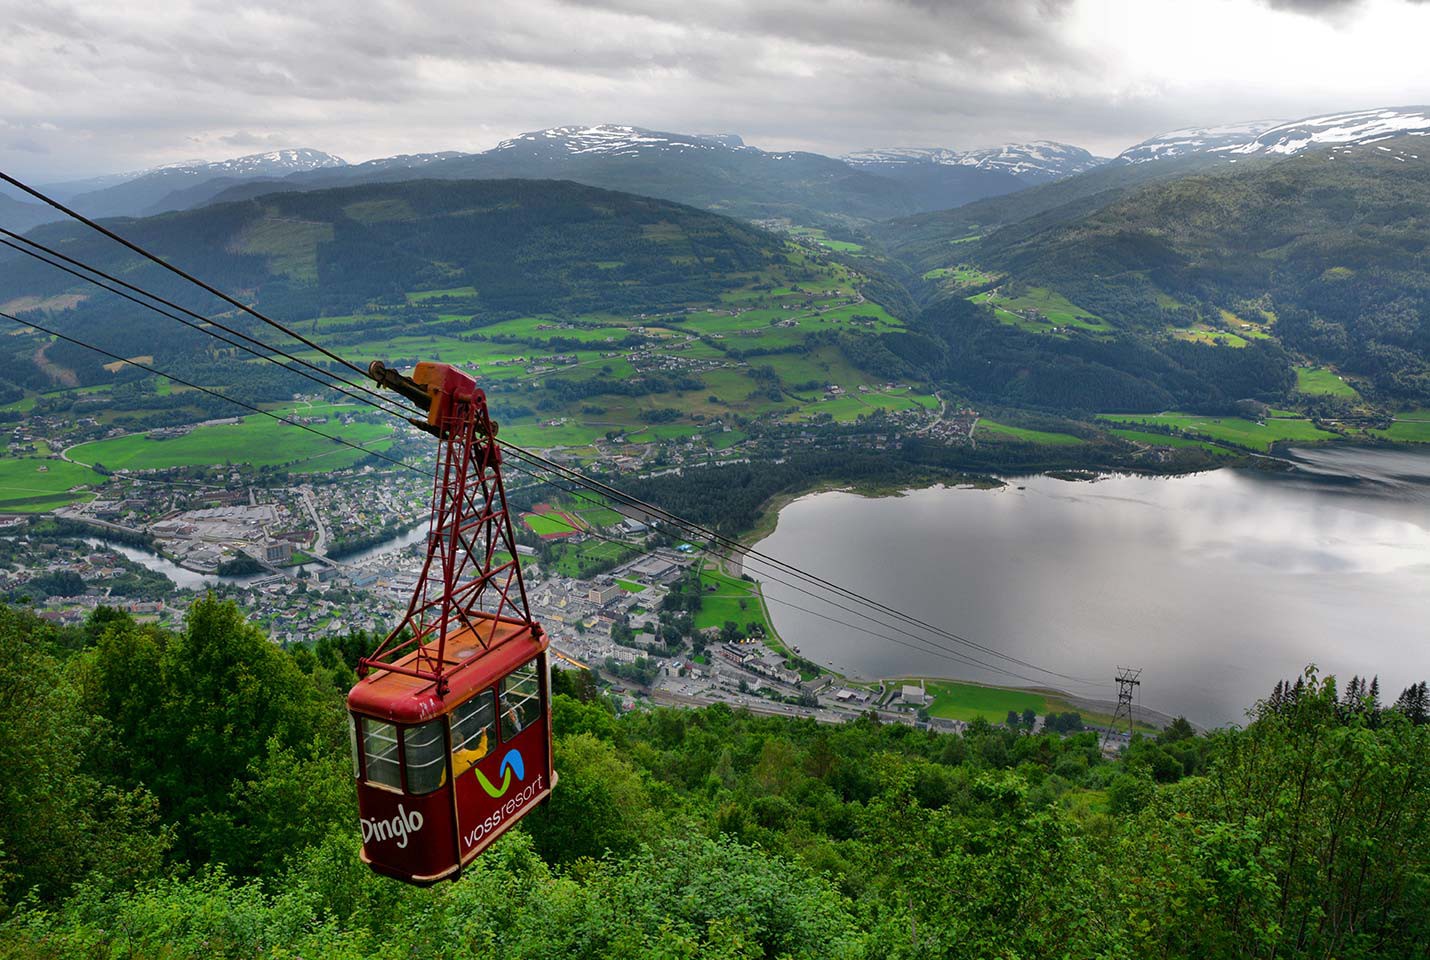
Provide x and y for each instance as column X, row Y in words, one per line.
column 472, row 730
column 352, row 741
column 426, row 750
column 379, row 747
column 520, row 700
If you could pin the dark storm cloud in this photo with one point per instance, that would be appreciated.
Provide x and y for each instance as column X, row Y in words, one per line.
column 123, row 84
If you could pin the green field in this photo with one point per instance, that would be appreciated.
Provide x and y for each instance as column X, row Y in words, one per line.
column 821, row 238
column 961, row 275
column 1213, row 336
column 732, row 599
column 34, row 485
column 1167, row 440
column 255, row 441
column 1319, row 380
column 597, row 516
column 423, row 295
column 707, row 352
column 1410, row 426
column 995, row 429
column 965, row 701
column 569, row 555
column 545, row 524
column 771, row 313
column 1041, row 311
column 1233, row 430
column 630, row 586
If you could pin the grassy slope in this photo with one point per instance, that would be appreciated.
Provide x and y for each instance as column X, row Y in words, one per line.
column 986, row 426
column 1323, row 381
column 1234, row 430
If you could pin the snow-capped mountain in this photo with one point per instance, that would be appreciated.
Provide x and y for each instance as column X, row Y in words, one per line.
column 611, row 140
column 407, row 161
column 1271, row 138
column 1193, row 140
column 276, row 163
column 1038, row 161
column 1359, row 127
column 178, row 186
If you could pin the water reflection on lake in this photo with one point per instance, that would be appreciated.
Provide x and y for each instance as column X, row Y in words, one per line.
column 1215, row 584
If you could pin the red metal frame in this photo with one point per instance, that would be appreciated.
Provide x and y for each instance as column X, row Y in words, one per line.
column 460, row 585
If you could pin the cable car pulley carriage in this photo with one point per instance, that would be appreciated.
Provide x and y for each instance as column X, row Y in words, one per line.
column 451, row 724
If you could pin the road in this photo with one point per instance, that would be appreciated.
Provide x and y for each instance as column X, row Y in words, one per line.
column 320, row 544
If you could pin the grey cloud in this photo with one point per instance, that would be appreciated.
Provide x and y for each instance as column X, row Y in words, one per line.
column 1311, row 6
column 130, row 83
column 27, row 145
column 1320, row 7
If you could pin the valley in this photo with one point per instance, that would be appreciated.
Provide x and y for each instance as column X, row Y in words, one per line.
column 754, row 480
column 719, row 368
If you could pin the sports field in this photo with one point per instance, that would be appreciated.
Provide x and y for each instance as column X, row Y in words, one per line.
column 965, row 701
column 548, row 525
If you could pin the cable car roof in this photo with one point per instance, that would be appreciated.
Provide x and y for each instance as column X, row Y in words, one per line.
column 471, row 662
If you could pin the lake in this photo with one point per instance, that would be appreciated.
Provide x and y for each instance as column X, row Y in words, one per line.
column 1215, row 584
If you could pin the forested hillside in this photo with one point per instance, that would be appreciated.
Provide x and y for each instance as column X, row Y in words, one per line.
column 506, row 248
column 190, row 795
column 1337, row 241
column 1176, row 285
column 526, row 246
column 924, row 238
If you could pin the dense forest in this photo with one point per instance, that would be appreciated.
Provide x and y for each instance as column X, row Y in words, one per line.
column 190, row 795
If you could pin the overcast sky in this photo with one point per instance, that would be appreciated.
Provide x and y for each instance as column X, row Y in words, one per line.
column 92, row 87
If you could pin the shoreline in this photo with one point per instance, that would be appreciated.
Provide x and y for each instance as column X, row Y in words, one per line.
column 1093, row 711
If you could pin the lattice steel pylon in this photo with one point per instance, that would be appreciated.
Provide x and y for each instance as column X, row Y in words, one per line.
column 472, row 572
column 1127, row 683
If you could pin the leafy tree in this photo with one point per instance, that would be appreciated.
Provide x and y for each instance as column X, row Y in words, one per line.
column 189, row 712
column 59, row 822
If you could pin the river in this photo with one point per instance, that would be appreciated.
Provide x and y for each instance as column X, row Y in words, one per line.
column 187, row 579
column 1215, row 584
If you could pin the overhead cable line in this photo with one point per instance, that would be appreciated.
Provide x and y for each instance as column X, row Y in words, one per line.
column 213, row 393
column 590, row 483
column 327, row 384
column 930, row 646
column 176, row 270
column 550, row 478
column 732, row 545
column 952, row 655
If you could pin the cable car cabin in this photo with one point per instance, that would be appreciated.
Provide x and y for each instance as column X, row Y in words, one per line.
column 440, row 777
column 451, row 722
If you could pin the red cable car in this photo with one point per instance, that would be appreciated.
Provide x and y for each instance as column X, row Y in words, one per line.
column 450, row 721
